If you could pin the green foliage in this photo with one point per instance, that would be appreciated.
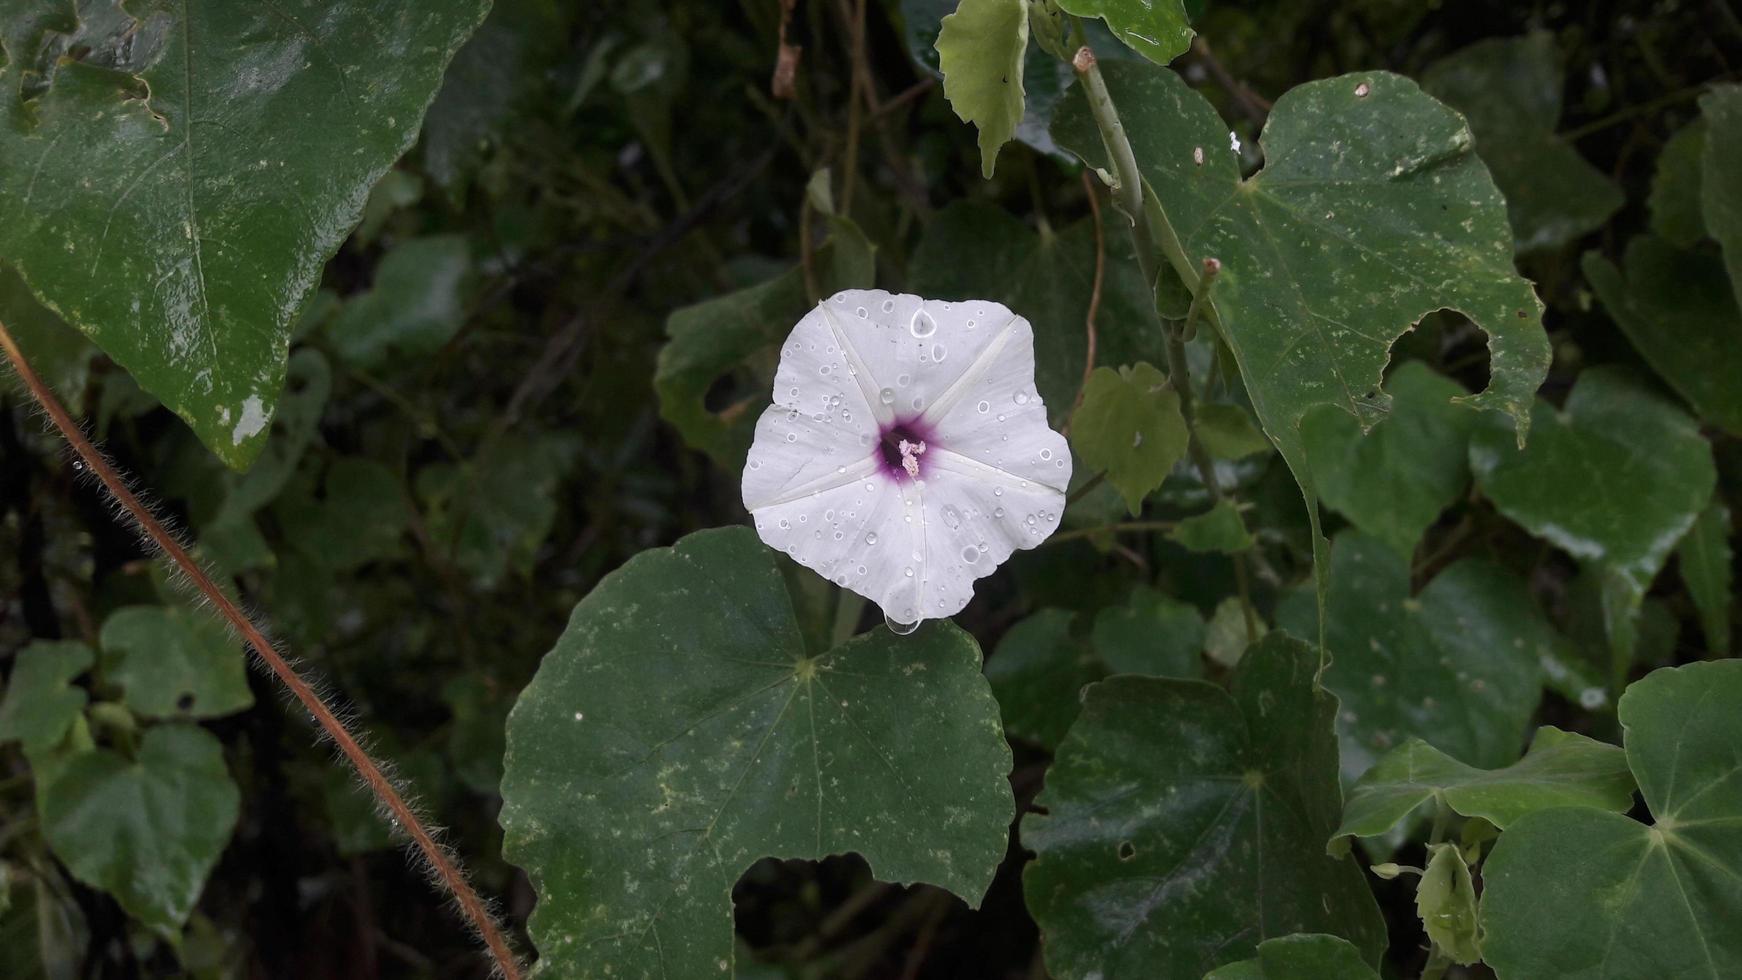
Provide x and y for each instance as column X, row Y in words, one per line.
column 140, row 205
column 174, row 663
column 1706, row 561
column 40, row 703
column 680, row 731
column 1445, row 898
column 980, row 53
column 1218, row 529
column 1665, row 888
column 1720, row 162
column 1129, row 425
column 1309, row 956
column 1160, row 31
column 1038, row 673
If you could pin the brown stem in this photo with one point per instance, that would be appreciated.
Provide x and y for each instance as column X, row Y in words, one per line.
column 441, row 861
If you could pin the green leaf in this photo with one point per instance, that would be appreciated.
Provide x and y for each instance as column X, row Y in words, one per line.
column 1561, row 769
column 1219, row 529
column 1395, row 480
column 974, row 251
column 980, row 52
column 1150, row 634
column 1675, row 187
column 1371, row 212
column 172, row 662
column 41, row 702
column 1721, row 174
column 294, row 428
column 491, row 514
column 60, row 355
column 1457, row 666
column 174, row 189
column 417, row 304
column 1445, row 899
column 678, row 732
column 1038, row 672
column 1228, row 433
column 1678, row 310
column 146, row 830
column 1227, row 636
column 717, row 337
column 1306, row 956
column 360, row 515
column 1182, row 825
column 502, row 66
column 1577, row 892
column 1157, row 29
column 1615, row 479
column 1510, row 91
column 475, row 739
column 1705, row 558
column 1129, row 425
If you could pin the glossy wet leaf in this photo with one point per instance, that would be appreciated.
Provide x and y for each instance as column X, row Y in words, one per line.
column 149, row 829
column 1457, row 666
column 175, row 662
column 1219, row 529
column 1129, row 425
column 40, row 701
column 1371, row 212
column 1150, row 634
column 1577, row 892
column 1038, row 672
column 179, row 181
column 1678, row 310
column 974, row 251
column 1560, row 769
column 1396, row 479
column 1510, row 91
column 678, row 732
column 1181, row 824
column 1445, row 900
column 981, row 48
column 1720, row 167
column 1304, row 956
column 715, row 338
column 415, row 305
column 1614, row 479
column 1706, row 562
column 1675, row 187
column 1157, row 29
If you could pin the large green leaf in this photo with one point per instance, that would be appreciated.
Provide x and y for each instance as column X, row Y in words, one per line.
column 356, row 514
column 1394, row 480
column 1705, row 558
column 41, row 702
column 1129, row 425
column 1510, row 91
column 1459, row 666
column 1578, row 892
column 147, row 830
column 1561, row 769
column 679, row 732
column 1305, row 956
column 1615, row 479
column 1721, row 174
column 1150, row 634
column 1182, row 825
column 491, row 514
column 1371, row 212
column 172, row 662
column 173, row 177
column 1681, row 315
column 981, row 49
column 1157, row 29
column 60, row 355
column 1675, row 187
column 1038, row 672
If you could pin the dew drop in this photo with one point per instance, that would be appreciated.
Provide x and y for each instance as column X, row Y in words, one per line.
column 998, row 512
column 871, row 537
column 785, row 524
column 984, row 406
column 755, row 464
column 952, row 516
column 939, row 352
column 904, row 380
column 922, row 325
column 970, row 554
column 887, row 395
column 1021, row 398
column 889, row 306
column 1046, row 454
column 899, row 628
column 997, row 491
column 792, row 437
column 918, row 404
column 861, row 313
column 1000, row 416
column 907, row 572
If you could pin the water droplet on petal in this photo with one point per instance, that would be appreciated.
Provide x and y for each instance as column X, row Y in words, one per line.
column 897, row 627
column 887, row 395
column 904, row 380
column 861, row 313
column 922, row 325
column 939, row 352
column 970, row 554
column 999, row 512
column 871, row 537
column 907, row 572
column 792, row 437
column 1021, row 398
column 889, row 306
column 984, row 406
column 997, row 491
column 1046, row 454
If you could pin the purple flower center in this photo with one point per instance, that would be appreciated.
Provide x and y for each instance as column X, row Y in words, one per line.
column 902, row 446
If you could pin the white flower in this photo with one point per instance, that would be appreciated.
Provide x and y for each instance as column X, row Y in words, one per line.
column 906, row 453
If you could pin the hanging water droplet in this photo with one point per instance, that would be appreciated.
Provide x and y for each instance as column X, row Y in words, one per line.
column 899, row 628
column 922, row 325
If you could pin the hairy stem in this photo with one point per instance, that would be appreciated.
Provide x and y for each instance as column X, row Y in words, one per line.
column 441, row 861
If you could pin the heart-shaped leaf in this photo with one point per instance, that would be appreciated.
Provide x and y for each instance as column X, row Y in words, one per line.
column 1578, row 892
column 147, row 830
column 1129, row 425
column 1150, row 634
column 981, row 48
column 175, row 177
column 1560, row 769
column 1458, row 666
column 41, row 702
column 1182, row 825
column 678, row 732
column 175, row 662
column 1305, row 956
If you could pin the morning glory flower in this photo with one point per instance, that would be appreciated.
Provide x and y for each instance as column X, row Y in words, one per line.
column 907, row 453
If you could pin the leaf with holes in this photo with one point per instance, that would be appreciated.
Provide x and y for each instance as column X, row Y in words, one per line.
column 173, row 178
column 1579, row 892
column 679, row 732
column 172, row 662
column 1182, row 825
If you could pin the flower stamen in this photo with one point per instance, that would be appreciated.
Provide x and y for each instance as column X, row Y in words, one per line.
column 910, row 453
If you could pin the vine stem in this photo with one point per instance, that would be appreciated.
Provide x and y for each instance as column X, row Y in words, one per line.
column 441, row 861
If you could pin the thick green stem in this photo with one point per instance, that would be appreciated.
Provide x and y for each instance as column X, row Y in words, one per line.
column 848, row 608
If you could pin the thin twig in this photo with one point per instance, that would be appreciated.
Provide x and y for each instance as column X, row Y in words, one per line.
column 857, row 93
column 441, row 861
column 1094, row 295
column 1128, row 527
column 1255, row 108
column 1088, row 485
